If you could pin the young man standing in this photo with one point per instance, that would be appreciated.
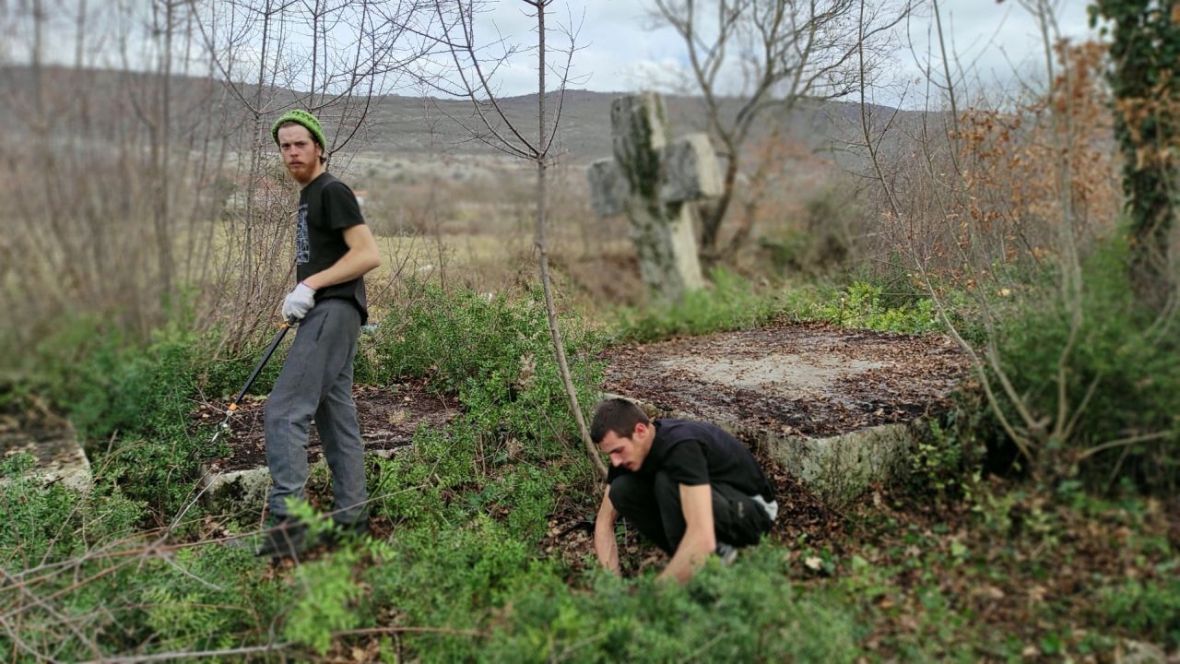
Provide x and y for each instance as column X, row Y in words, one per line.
column 333, row 251
column 688, row 486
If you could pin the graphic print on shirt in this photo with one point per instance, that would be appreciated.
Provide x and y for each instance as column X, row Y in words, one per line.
column 302, row 239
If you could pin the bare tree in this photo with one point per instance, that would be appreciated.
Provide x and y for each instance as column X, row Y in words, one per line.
column 98, row 203
column 752, row 58
column 1006, row 189
column 148, row 173
column 474, row 79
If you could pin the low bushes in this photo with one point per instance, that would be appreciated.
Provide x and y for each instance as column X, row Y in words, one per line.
column 730, row 304
column 726, row 614
column 863, row 305
column 463, row 575
column 733, row 303
column 1117, row 379
column 496, row 354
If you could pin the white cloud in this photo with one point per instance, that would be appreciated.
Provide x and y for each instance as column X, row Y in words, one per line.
column 996, row 42
column 995, row 45
column 616, row 50
column 620, row 50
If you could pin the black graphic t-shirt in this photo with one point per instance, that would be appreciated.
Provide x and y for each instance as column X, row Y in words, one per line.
column 326, row 208
column 694, row 453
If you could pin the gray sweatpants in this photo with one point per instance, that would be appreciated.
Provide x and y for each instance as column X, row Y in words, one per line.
column 316, row 381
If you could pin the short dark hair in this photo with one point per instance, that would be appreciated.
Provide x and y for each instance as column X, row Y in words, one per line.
column 618, row 415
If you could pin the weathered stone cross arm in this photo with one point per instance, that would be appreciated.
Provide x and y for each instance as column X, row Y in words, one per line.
column 690, row 174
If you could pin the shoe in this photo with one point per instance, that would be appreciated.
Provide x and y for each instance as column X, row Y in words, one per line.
column 286, row 538
column 342, row 532
column 726, row 553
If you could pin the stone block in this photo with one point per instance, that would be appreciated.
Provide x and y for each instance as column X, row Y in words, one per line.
column 59, row 455
column 839, row 468
column 237, row 491
column 691, row 171
column 609, row 189
column 838, row 409
column 245, row 491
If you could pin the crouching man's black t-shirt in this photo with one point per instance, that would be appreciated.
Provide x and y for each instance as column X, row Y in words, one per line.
column 695, row 453
column 326, row 208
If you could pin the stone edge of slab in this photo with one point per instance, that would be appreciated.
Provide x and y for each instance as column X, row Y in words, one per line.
column 251, row 484
column 66, row 464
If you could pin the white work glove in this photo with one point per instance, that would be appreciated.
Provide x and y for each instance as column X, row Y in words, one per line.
column 298, row 302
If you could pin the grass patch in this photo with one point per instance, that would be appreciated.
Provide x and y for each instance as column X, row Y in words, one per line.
column 862, row 305
column 733, row 303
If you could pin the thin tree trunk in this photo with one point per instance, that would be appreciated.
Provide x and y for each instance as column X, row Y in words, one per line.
column 161, row 148
column 543, row 255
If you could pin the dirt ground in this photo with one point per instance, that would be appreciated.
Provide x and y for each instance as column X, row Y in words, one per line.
column 803, row 379
column 388, row 418
column 806, row 379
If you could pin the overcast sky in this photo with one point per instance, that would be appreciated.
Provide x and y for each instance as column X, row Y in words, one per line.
column 622, row 50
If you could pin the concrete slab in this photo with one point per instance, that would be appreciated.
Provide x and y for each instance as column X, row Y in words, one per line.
column 53, row 443
column 838, row 408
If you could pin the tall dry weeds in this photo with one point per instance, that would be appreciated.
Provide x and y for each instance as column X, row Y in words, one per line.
column 140, row 178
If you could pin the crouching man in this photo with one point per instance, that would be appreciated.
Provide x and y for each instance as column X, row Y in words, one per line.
column 688, row 486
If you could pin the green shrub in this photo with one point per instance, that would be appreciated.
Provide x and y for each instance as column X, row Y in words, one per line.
column 747, row 612
column 864, row 305
column 497, row 355
column 48, row 522
column 31, row 530
column 107, row 385
column 325, row 603
column 734, row 304
column 132, row 401
column 1127, row 363
column 118, row 598
column 477, row 577
column 1145, row 609
column 161, row 472
column 946, row 455
column 224, row 378
column 730, row 304
column 207, row 598
column 451, row 577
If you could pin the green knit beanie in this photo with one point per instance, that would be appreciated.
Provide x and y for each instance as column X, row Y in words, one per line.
column 304, row 118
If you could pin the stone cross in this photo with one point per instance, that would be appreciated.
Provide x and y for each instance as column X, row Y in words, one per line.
column 656, row 183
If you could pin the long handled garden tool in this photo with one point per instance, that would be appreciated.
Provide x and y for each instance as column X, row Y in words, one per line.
column 233, row 405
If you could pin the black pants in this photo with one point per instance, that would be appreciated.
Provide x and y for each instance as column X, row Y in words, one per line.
column 652, row 506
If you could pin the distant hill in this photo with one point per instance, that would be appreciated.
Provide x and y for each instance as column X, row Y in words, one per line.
column 108, row 104
column 413, row 124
